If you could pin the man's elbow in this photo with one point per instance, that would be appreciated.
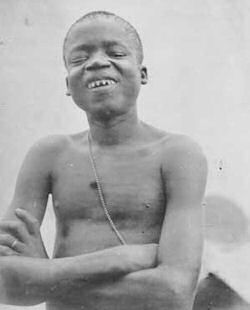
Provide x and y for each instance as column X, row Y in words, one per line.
column 178, row 287
column 13, row 291
column 17, row 296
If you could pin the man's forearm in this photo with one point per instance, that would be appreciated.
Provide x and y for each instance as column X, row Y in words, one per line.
column 83, row 278
column 30, row 281
column 158, row 288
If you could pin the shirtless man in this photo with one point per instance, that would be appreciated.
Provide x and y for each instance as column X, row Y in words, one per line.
column 153, row 185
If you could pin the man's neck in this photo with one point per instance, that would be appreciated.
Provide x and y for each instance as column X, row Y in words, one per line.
column 119, row 130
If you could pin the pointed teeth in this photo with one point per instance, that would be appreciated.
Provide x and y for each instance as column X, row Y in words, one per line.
column 100, row 83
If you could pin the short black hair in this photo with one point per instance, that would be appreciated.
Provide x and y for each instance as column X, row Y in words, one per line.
column 132, row 32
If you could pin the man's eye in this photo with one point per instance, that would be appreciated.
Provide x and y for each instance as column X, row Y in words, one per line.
column 78, row 60
column 117, row 54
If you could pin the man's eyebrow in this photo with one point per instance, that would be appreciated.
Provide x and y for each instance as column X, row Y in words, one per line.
column 81, row 47
column 90, row 47
column 114, row 43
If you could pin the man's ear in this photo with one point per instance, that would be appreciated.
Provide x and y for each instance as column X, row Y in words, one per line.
column 67, row 85
column 144, row 75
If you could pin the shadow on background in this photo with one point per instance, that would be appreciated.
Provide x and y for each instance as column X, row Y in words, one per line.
column 227, row 226
column 214, row 293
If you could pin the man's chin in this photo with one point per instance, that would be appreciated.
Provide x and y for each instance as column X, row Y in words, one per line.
column 106, row 112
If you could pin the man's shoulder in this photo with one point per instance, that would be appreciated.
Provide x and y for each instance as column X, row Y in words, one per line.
column 180, row 149
column 181, row 143
column 58, row 142
column 51, row 144
column 183, row 162
column 46, row 152
column 50, row 148
column 172, row 143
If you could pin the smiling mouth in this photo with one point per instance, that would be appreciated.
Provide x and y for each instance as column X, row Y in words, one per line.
column 101, row 83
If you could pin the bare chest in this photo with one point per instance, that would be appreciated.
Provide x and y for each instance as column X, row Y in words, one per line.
column 132, row 185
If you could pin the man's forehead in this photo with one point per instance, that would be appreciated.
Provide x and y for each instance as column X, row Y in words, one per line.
column 96, row 28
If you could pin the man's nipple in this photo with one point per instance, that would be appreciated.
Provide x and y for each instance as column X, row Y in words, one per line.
column 93, row 185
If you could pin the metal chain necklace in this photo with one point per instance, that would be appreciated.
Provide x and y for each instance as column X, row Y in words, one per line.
column 100, row 191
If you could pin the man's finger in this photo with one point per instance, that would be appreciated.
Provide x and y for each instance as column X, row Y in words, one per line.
column 29, row 220
column 7, row 240
column 6, row 251
column 11, row 242
column 15, row 228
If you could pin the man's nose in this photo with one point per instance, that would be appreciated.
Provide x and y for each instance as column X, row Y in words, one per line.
column 97, row 61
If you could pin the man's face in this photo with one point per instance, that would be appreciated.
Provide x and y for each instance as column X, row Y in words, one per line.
column 104, row 75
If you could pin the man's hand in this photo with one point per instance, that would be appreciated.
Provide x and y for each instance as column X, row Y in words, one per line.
column 21, row 237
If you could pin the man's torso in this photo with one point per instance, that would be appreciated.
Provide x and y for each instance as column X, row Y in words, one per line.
column 134, row 191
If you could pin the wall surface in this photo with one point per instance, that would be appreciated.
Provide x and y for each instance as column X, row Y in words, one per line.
column 198, row 57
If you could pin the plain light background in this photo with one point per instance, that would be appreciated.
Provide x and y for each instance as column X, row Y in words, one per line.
column 198, row 58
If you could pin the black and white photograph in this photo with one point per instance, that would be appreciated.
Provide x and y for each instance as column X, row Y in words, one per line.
column 125, row 155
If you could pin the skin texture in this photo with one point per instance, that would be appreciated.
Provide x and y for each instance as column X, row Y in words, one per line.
column 153, row 183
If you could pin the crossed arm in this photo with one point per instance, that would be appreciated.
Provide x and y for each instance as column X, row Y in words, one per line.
column 163, row 276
